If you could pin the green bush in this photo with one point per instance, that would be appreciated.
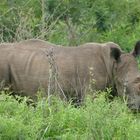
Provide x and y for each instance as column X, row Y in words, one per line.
column 71, row 23
column 98, row 119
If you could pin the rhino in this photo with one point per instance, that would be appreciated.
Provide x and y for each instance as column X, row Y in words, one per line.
column 27, row 65
column 30, row 44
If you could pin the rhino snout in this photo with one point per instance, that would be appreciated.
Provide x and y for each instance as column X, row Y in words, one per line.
column 134, row 107
column 134, row 104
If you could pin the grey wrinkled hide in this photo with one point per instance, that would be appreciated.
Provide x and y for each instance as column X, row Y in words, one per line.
column 26, row 67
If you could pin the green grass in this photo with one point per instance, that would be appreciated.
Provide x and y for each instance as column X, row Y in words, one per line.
column 94, row 120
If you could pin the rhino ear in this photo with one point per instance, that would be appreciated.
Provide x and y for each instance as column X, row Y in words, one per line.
column 136, row 51
column 115, row 53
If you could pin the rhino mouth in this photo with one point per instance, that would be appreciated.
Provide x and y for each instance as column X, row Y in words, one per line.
column 134, row 108
column 132, row 99
column 134, row 104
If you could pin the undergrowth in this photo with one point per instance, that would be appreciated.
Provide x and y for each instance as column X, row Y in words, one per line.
column 94, row 120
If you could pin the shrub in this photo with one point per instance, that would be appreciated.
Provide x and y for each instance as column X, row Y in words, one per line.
column 98, row 119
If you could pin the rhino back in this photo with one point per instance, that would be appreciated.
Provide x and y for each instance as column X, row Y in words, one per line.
column 34, row 44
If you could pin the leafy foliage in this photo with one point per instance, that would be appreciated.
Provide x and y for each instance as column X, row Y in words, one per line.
column 98, row 119
column 70, row 22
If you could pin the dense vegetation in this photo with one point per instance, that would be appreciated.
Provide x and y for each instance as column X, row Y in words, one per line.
column 95, row 120
column 69, row 22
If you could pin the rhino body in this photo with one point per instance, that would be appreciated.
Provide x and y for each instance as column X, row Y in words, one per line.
column 26, row 67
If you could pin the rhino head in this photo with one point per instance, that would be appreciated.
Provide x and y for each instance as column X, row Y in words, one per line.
column 127, row 76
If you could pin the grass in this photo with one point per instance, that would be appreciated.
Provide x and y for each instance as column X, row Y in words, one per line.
column 94, row 120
